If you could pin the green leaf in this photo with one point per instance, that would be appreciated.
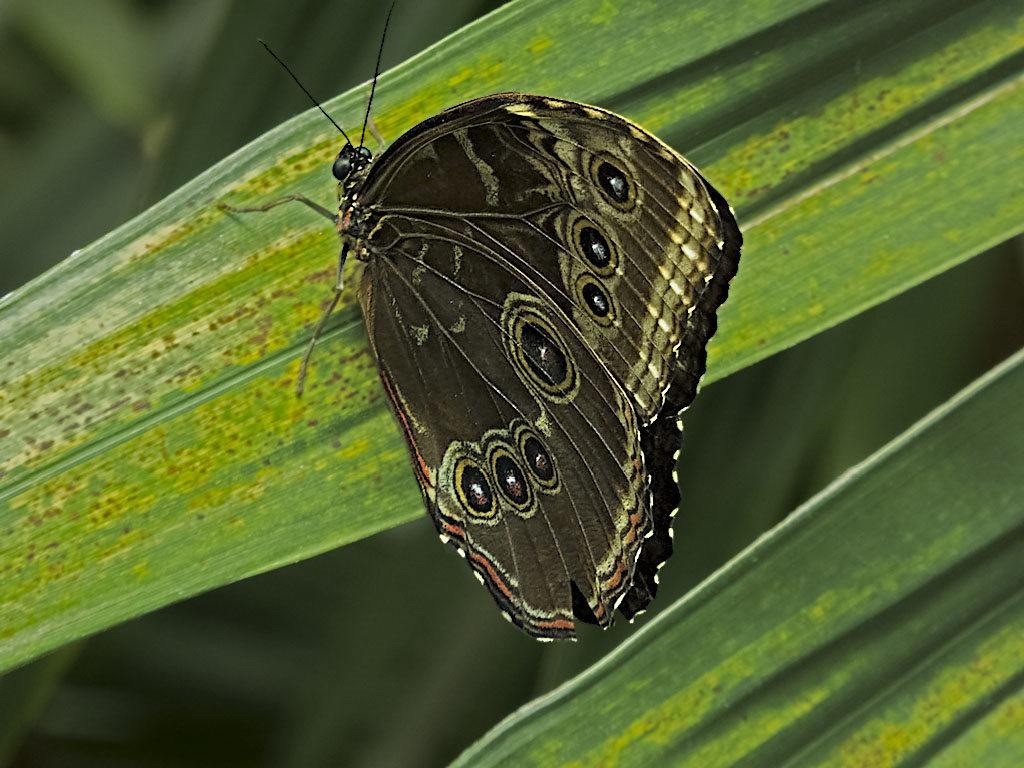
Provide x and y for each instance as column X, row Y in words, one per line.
column 151, row 446
column 881, row 624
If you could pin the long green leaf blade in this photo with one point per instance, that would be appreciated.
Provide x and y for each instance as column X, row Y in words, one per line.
column 150, row 443
column 881, row 624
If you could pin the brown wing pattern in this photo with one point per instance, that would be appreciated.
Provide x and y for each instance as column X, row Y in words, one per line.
column 531, row 459
column 542, row 279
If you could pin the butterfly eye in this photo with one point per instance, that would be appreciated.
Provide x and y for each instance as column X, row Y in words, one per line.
column 342, row 164
column 364, row 152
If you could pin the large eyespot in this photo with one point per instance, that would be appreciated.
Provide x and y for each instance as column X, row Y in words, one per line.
column 539, row 461
column 474, row 490
column 596, row 249
column 510, row 478
column 595, row 299
column 543, row 354
column 536, row 348
column 614, row 182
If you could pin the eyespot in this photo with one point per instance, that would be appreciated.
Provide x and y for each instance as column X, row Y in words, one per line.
column 616, row 185
column 544, row 356
column 539, row 461
column 595, row 247
column 536, row 348
column 473, row 489
column 512, row 482
column 592, row 247
column 595, row 299
column 613, row 182
column 547, row 360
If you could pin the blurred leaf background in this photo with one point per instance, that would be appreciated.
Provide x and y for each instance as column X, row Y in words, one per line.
column 107, row 107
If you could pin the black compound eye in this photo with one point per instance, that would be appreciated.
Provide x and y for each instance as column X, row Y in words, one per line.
column 538, row 460
column 342, row 165
column 511, row 481
column 544, row 356
column 475, row 490
column 613, row 182
column 364, row 152
column 595, row 247
column 596, row 299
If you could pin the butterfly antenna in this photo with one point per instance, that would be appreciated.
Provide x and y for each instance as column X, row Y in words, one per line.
column 376, row 72
column 310, row 95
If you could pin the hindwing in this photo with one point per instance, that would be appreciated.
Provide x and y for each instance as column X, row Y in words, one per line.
column 526, row 449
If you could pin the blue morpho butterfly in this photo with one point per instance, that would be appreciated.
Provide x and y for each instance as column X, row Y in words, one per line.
column 541, row 281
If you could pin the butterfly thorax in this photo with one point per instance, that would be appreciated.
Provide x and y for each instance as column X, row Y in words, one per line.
column 355, row 224
column 351, row 168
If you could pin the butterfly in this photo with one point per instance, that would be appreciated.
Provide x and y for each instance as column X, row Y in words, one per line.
column 541, row 280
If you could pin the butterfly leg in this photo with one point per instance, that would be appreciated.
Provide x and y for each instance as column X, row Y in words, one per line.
column 274, row 203
column 372, row 126
column 323, row 322
column 375, row 132
column 337, row 281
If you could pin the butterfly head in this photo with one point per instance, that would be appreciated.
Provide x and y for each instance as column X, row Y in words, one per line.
column 351, row 163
